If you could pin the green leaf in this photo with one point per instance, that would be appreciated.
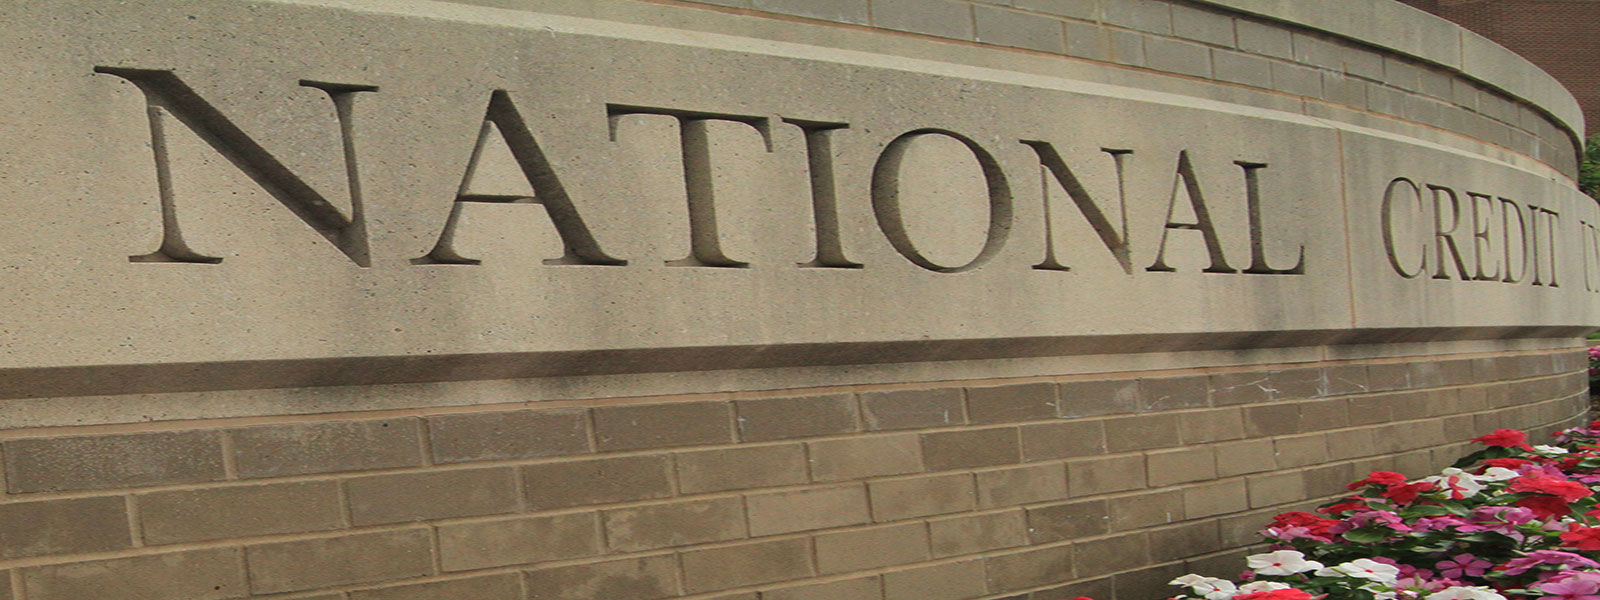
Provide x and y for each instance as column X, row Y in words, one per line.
column 1424, row 510
column 1366, row 535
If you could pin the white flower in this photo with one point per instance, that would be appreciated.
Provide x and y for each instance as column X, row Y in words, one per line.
column 1496, row 474
column 1459, row 481
column 1211, row 587
column 1281, row 562
column 1549, row 449
column 1465, row 593
column 1363, row 568
column 1263, row 586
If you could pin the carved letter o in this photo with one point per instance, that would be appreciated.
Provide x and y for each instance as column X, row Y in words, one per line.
column 886, row 200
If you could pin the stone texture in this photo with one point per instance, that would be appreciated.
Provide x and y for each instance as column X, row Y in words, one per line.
column 970, row 448
column 940, row 18
column 484, row 544
column 111, row 461
column 1029, row 568
column 507, row 435
column 1012, row 403
column 1016, row 29
column 644, row 578
column 746, row 564
column 404, row 497
column 861, row 549
column 863, row 457
column 502, row 586
column 922, row 496
column 213, row 574
column 913, row 409
column 1023, row 485
column 325, row 562
column 606, row 480
column 739, row 468
column 68, row 526
column 813, row 508
column 675, row 524
column 948, row 581
column 862, row 588
column 785, row 418
column 662, row 425
column 1068, row 521
column 283, row 450
column 956, row 536
column 239, row 511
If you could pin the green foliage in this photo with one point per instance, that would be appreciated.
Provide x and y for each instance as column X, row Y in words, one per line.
column 1589, row 173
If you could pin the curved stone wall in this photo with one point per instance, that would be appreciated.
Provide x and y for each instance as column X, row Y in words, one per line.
column 754, row 299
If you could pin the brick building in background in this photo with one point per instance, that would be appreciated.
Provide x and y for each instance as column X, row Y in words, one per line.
column 1561, row 36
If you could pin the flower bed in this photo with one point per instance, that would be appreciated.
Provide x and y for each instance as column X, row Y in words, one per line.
column 1510, row 521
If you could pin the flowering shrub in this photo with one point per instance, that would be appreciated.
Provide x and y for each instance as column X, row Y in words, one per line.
column 1512, row 520
column 1594, row 372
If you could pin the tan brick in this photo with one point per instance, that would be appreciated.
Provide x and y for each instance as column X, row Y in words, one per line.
column 1183, row 541
column 970, row 448
column 1154, row 16
column 675, row 524
column 111, row 461
column 279, row 450
column 1012, row 403
column 919, row 497
column 1094, row 398
column 1217, row 498
column 213, row 574
column 404, row 497
column 788, row 418
column 1150, row 509
column 1276, row 488
column 484, row 544
column 1181, row 465
column 5, row 585
column 1319, row 415
column 938, row 18
column 913, row 409
column 746, row 564
column 71, row 526
column 978, row 533
column 1068, row 521
column 605, row 480
column 1351, row 443
column 1389, row 376
column 350, row 559
column 1301, row 450
column 646, row 578
column 861, row 549
column 1018, row 30
column 863, row 457
column 741, row 468
column 1029, row 568
column 1147, row 583
column 1251, row 387
column 1168, row 393
column 803, row 510
column 1272, row 419
column 1248, row 456
column 860, row 588
column 1142, row 432
column 1211, row 426
column 508, row 435
column 1066, row 439
column 1109, row 555
column 1262, row 38
column 242, row 511
column 1022, row 485
column 1104, row 475
column 501, row 586
column 662, row 425
column 1202, row 25
column 946, row 581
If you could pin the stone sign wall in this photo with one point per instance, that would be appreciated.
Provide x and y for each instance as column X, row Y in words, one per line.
column 754, row 299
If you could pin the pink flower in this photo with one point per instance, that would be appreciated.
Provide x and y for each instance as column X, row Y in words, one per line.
column 1518, row 566
column 1571, row 589
column 1463, row 565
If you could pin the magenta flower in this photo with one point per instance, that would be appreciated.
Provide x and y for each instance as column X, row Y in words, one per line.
column 1518, row 566
column 1463, row 565
column 1571, row 589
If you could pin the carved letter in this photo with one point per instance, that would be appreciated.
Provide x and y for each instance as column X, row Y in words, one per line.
column 1050, row 163
column 1510, row 207
column 1445, row 239
column 1550, row 240
column 1480, row 236
column 705, row 246
column 1202, row 217
column 886, row 200
column 1258, row 246
column 581, row 247
column 824, row 204
column 1388, row 228
column 167, row 96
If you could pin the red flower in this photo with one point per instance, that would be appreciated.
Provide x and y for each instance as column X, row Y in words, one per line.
column 1349, row 504
column 1505, row 438
column 1275, row 595
column 1507, row 463
column 1384, row 478
column 1567, row 491
column 1582, row 538
column 1545, row 507
column 1316, row 525
column 1406, row 493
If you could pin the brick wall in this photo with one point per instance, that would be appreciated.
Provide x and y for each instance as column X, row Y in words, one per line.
column 1020, row 489
column 1561, row 36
